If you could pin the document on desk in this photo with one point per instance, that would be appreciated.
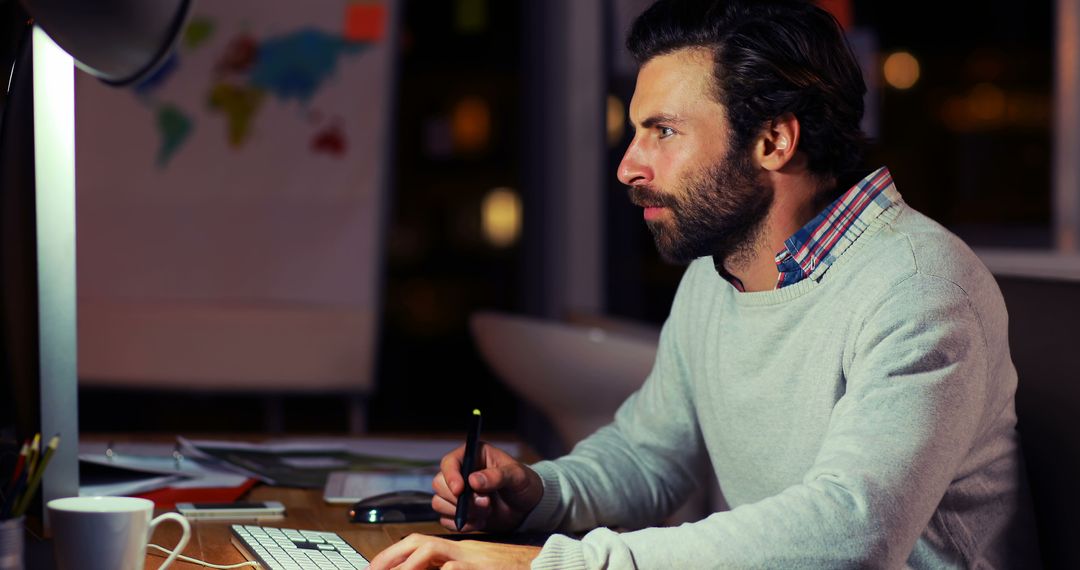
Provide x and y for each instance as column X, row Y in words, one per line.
column 133, row 468
column 347, row 487
column 308, row 462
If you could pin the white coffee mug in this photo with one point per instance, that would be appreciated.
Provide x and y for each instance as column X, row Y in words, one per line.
column 107, row 533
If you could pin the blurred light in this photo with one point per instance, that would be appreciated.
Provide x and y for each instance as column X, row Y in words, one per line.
column 901, row 70
column 987, row 106
column 470, row 16
column 986, row 102
column 616, row 120
column 501, row 217
column 470, row 125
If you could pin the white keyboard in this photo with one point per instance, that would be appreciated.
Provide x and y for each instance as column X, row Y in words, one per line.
column 293, row 549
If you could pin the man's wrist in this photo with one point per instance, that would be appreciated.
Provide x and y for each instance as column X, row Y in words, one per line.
column 542, row 515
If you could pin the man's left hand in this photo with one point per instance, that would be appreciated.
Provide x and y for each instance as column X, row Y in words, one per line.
column 420, row 552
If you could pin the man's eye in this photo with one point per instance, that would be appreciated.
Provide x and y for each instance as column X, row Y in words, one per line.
column 665, row 132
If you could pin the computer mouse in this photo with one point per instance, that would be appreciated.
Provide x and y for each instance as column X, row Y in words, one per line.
column 397, row 506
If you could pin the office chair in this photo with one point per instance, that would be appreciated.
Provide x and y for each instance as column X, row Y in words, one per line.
column 1043, row 315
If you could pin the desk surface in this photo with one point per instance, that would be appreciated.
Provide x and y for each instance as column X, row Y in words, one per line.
column 304, row 509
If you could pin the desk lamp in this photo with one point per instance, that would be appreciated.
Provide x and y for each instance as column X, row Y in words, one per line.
column 120, row 42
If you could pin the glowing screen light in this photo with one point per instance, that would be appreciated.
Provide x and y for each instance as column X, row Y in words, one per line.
column 901, row 70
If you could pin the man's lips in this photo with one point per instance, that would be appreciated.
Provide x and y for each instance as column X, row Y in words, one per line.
column 653, row 212
column 651, row 201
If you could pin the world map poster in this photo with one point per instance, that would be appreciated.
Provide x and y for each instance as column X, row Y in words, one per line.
column 250, row 168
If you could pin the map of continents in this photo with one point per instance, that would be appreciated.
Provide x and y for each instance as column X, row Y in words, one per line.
column 291, row 66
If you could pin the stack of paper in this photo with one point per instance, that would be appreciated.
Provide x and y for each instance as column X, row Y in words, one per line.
column 134, row 468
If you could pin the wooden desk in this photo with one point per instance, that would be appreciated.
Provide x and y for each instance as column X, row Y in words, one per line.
column 304, row 509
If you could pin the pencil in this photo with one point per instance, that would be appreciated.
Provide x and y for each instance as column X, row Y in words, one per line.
column 35, row 478
column 468, row 465
column 19, row 464
column 32, row 457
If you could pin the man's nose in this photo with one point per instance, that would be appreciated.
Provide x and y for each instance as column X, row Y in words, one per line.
column 633, row 169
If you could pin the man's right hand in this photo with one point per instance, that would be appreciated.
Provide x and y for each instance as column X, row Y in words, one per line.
column 504, row 490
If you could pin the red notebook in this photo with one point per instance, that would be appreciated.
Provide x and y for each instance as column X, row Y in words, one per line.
column 168, row 497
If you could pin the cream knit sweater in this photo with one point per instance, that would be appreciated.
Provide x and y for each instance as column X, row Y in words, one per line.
column 862, row 417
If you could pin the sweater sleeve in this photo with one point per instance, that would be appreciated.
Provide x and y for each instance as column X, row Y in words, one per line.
column 641, row 467
column 917, row 386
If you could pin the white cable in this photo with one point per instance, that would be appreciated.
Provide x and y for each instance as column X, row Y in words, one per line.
column 207, row 564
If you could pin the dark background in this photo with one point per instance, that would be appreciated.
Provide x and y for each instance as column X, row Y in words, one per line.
column 969, row 144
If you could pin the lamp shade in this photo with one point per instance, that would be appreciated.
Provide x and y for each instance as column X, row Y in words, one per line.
column 118, row 41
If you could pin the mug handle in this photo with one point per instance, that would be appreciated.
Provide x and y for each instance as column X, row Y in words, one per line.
column 180, row 544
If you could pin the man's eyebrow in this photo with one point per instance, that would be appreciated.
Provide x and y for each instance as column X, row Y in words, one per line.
column 654, row 120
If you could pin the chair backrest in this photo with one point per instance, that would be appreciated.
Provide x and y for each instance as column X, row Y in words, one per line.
column 576, row 374
column 1043, row 338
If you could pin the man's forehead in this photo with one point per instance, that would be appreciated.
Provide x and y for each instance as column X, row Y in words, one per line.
column 696, row 56
column 674, row 84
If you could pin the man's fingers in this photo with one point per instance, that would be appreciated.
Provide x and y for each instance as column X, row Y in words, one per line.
column 442, row 506
column 396, row 553
column 479, row 512
column 415, row 552
column 430, row 552
column 438, row 484
column 511, row 477
column 449, row 524
column 486, row 480
column 450, row 468
column 494, row 466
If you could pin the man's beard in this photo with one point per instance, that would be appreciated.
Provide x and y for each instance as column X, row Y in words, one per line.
column 719, row 212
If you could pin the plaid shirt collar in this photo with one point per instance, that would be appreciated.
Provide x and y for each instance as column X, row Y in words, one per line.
column 825, row 237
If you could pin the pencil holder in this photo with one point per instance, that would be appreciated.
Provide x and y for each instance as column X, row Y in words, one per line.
column 11, row 543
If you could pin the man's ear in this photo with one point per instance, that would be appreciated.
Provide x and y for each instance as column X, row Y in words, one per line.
column 778, row 142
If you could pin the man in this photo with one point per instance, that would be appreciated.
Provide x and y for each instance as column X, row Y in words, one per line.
column 839, row 359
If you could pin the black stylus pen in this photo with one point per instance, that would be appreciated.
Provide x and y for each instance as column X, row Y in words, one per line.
column 468, row 465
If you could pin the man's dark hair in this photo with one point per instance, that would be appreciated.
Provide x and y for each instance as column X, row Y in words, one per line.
column 770, row 57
